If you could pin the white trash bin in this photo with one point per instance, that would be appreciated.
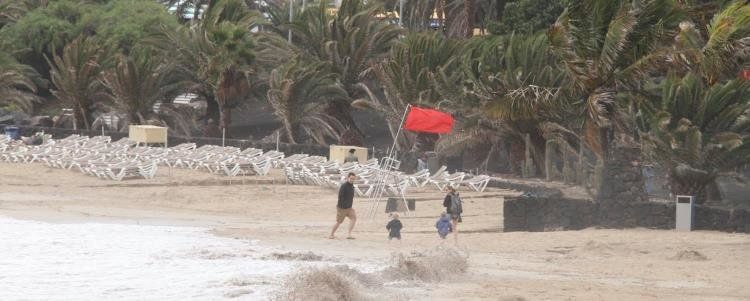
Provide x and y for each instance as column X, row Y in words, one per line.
column 685, row 207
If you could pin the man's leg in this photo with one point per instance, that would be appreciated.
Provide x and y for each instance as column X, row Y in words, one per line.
column 335, row 227
column 339, row 219
column 352, row 221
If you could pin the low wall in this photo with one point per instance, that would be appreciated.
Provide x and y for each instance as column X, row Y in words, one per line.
column 538, row 214
column 534, row 213
column 287, row 148
column 532, row 189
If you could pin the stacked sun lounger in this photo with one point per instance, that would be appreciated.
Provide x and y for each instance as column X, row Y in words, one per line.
column 309, row 170
column 229, row 161
column 99, row 156
column 96, row 156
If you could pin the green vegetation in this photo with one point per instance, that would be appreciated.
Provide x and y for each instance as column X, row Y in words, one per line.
column 528, row 16
column 572, row 80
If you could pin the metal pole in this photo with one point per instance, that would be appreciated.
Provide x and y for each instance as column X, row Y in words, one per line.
column 400, row 13
column 291, row 13
column 398, row 132
column 304, row 4
column 385, row 169
column 75, row 120
column 223, row 136
column 278, row 139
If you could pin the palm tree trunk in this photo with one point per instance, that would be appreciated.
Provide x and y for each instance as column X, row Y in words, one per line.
column 135, row 119
column 141, row 119
column 225, row 118
column 470, row 12
column 82, row 118
column 212, row 110
column 341, row 111
column 499, row 9
column 289, row 133
column 441, row 15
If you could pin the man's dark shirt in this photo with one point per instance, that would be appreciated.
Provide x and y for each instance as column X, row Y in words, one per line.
column 346, row 196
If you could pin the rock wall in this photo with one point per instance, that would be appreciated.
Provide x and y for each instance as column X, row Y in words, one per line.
column 534, row 213
column 622, row 179
column 538, row 214
column 532, row 189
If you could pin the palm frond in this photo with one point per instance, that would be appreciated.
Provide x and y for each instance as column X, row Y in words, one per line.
column 75, row 76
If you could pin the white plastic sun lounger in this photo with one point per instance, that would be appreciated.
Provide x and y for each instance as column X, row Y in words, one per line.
column 477, row 183
column 449, row 180
column 436, row 176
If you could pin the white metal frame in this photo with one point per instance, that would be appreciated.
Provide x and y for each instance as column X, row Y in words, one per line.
column 386, row 171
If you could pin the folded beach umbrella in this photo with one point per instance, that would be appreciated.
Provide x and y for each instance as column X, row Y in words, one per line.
column 428, row 121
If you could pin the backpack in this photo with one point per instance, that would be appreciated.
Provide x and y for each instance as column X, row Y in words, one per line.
column 456, row 207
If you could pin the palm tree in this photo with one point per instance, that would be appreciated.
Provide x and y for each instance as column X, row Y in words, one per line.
column 12, row 10
column 716, row 54
column 350, row 41
column 514, row 87
column 697, row 131
column 410, row 75
column 460, row 18
column 138, row 81
column 296, row 90
column 602, row 43
column 217, row 55
column 75, row 76
column 517, row 78
column 17, row 86
column 697, row 127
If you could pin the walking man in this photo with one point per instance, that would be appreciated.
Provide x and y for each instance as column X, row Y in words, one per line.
column 344, row 207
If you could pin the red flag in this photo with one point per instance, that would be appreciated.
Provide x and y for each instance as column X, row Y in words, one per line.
column 428, row 121
column 745, row 74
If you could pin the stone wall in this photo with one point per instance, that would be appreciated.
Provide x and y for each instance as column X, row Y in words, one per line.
column 622, row 178
column 528, row 188
column 287, row 148
column 647, row 214
column 535, row 213
column 538, row 214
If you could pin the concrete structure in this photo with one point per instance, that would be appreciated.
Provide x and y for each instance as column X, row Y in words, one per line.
column 148, row 134
column 339, row 152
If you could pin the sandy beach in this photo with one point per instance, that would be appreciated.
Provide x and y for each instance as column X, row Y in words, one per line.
column 592, row 264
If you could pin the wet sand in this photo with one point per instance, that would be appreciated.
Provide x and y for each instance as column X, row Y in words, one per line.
column 592, row 264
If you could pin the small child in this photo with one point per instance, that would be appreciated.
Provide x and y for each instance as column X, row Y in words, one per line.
column 394, row 227
column 444, row 225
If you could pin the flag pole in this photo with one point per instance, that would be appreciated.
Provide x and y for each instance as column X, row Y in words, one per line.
column 398, row 132
column 385, row 168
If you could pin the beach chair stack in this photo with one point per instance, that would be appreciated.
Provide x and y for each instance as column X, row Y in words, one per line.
column 96, row 156
column 229, row 161
column 301, row 169
column 123, row 159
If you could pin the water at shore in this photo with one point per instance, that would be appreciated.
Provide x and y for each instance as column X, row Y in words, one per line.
column 93, row 261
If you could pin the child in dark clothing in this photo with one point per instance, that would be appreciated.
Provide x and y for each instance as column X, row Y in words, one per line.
column 394, row 227
column 444, row 225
